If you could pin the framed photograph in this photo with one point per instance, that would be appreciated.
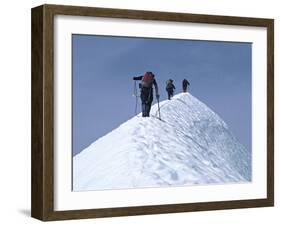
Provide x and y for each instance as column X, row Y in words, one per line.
column 142, row 112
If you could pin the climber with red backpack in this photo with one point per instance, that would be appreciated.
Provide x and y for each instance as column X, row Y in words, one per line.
column 147, row 81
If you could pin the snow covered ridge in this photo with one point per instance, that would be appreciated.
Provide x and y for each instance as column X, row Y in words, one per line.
column 190, row 145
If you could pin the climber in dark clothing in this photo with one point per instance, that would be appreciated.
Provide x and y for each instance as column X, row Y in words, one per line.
column 170, row 88
column 147, row 81
column 185, row 83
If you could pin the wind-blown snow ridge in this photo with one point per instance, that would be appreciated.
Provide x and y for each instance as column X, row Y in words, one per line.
column 191, row 145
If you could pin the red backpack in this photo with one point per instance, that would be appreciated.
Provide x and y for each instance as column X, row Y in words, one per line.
column 147, row 80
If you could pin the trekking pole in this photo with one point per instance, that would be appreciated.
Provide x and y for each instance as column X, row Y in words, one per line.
column 159, row 108
column 136, row 95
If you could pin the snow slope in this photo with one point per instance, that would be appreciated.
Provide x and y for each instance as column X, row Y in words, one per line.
column 191, row 145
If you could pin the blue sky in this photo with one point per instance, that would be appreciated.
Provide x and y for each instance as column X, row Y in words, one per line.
column 103, row 67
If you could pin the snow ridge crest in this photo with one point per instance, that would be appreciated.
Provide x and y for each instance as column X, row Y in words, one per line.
column 189, row 145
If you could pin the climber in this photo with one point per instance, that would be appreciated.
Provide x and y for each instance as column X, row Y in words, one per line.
column 170, row 88
column 185, row 83
column 147, row 81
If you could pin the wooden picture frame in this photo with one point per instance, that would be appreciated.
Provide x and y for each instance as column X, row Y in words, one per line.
column 43, row 112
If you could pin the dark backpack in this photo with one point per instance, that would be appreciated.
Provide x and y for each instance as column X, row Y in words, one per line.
column 169, row 84
column 185, row 82
column 147, row 80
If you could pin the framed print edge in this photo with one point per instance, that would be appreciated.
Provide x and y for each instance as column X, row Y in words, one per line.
column 37, row 116
column 42, row 114
column 270, row 112
column 42, row 187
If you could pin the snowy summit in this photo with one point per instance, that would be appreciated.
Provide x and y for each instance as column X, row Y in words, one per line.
column 190, row 145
